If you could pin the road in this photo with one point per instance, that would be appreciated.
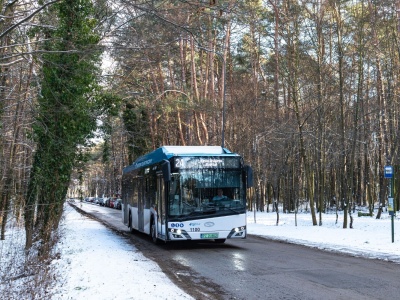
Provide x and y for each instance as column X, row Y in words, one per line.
column 257, row 268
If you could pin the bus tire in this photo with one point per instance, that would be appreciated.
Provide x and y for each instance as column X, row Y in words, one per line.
column 153, row 233
column 130, row 224
column 220, row 241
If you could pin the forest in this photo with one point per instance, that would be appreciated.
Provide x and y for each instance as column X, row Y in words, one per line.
column 307, row 91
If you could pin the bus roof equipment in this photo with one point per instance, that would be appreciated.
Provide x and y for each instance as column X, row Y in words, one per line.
column 166, row 152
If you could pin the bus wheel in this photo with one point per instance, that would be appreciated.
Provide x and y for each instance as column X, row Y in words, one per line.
column 153, row 233
column 130, row 224
column 220, row 241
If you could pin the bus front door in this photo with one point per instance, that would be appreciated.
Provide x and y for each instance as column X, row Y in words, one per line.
column 160, row 205
column 141, row 202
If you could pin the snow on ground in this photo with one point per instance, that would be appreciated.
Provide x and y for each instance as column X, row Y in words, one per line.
column 370, row 237
column 90, row 252
column 95, row 263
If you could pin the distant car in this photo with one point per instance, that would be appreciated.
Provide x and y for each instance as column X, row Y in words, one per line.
column 102, row 201
column 118, row 203
column 111, row 203
column 89, row 199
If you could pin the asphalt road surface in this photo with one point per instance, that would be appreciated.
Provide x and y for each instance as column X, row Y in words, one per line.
column 258, row 268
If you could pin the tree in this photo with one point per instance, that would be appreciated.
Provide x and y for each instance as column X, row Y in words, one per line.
column 17, row 74
column 66, row 114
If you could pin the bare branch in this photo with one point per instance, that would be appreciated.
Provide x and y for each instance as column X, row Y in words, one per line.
column 11, row 63
column 27, row 18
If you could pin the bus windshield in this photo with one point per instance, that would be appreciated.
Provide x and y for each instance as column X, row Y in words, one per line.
column 205, row 192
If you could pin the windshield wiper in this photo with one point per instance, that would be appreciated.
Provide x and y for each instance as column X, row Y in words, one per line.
column 231, row 209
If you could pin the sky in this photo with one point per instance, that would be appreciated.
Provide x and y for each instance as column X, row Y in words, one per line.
column 89, row 252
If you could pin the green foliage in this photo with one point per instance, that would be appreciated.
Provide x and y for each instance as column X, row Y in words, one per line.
column 66, row 110
column 106, row 151
column 136, row 122
column 109, row 103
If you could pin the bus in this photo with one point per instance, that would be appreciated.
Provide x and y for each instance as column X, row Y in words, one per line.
column 171, row 194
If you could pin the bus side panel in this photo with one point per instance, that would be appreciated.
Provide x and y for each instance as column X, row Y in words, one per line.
column 134, row 216
column 161, row 231
column 124, row 214
column 146, row 220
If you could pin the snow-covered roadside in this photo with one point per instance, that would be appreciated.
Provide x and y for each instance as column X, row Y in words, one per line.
column 369, row 238
column 95, row 263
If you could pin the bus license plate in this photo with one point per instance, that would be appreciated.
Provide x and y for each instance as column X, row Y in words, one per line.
column 209, row 235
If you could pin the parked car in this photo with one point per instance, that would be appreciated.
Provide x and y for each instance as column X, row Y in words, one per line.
column 102, row 201
column 112, row 200
column 118, row 203
column 89, row 199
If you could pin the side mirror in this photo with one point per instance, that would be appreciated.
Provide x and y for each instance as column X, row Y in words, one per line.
column 166, row 170
column 249, row 176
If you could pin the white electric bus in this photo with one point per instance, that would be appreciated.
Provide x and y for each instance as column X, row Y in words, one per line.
column 180, row 193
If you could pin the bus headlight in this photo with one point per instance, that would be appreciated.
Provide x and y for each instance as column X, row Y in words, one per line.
column 178, row 233
column 238, row 232
column 237, row 229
